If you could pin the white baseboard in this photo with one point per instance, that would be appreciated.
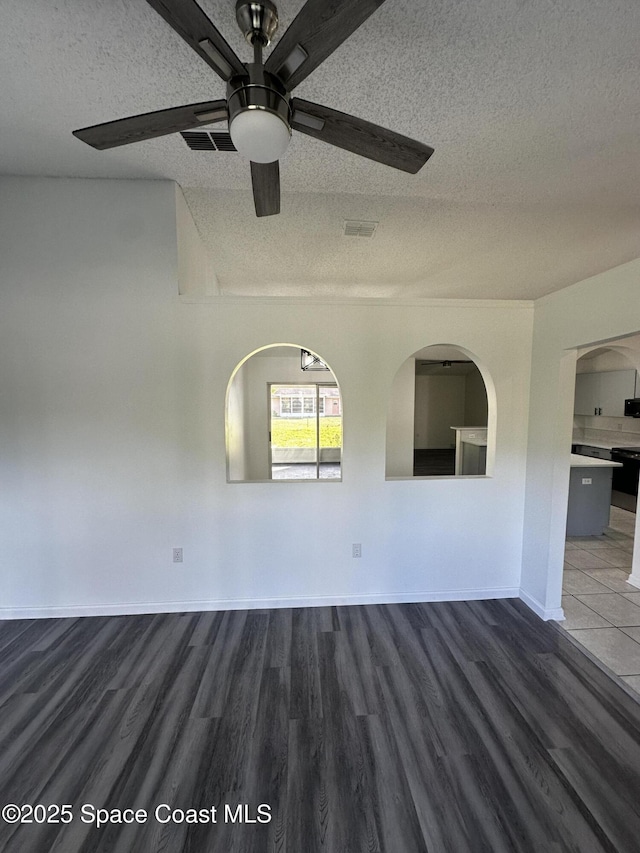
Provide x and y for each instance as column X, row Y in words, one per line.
column 135, row 608
column 634, row 579
column 555, row 613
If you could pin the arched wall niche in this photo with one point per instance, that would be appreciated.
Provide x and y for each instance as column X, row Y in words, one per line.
column 611, row 356
column 441, row 415
column 619, row 358
column 283, row 422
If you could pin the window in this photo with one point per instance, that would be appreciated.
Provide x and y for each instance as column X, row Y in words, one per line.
column 304, row 442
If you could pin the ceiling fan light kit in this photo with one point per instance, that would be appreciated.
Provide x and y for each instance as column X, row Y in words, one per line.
column 260, row 135
column 259, row 111
column 258, row 106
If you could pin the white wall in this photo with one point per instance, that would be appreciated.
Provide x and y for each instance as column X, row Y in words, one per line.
column 92, row 411
column 439, row 406
column 475, row 400
column 597, row 310
column 237, row 451
column 400, row 422
column 195, row 275
column 113, row 395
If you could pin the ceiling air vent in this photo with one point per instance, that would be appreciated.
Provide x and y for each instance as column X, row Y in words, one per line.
column 359, row 228
column 206, row 140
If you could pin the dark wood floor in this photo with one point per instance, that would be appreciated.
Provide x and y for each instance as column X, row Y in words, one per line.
column 447, row 728
column 434, row 463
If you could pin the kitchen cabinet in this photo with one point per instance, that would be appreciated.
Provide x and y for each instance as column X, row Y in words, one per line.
column 604, row 393
column 474, row 458
column 471, row 444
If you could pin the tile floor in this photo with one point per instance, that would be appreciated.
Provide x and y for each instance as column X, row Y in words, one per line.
column 602, row 610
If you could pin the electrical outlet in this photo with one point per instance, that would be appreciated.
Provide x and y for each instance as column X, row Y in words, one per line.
column 177, row 555
column 356, row 549
column 586, row 481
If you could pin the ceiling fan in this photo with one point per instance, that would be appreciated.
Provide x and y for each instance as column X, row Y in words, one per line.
column 259, row 106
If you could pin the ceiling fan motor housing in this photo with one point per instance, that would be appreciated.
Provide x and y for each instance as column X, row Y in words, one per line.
column 258, row 92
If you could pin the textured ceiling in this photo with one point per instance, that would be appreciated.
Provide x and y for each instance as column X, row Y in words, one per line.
column 533, row 109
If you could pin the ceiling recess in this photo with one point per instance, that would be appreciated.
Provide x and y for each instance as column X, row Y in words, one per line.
column 359, row 228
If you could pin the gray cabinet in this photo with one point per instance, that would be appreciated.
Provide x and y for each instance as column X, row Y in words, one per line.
column 589, row 501
column 474, row 458
column 604, row 393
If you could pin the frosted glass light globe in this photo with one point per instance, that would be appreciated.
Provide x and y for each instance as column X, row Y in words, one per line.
column 260, row 135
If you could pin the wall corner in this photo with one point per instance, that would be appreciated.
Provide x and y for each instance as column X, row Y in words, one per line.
column 195, row 274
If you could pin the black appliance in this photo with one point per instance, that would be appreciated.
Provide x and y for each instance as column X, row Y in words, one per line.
column 625, row 480
column 632, row 408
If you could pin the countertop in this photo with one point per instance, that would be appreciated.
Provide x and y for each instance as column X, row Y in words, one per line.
column 589, row 462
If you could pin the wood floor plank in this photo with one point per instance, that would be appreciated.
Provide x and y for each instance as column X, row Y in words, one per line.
column 153, row 643
column 421, row 753
column 307, row 795
column 238, row 719
column 355, row 646
column 603, row 804
column 533, row 764
column 20, row 635
column 453, row 727
column 306, row 692
column 269, row 760
column 397, row 823
column 206, row 628
column 344, row 750
column 215, row 685
column 65, row 691
column 278, row 651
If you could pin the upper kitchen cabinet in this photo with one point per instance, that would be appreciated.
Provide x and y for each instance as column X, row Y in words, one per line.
column 604, row 393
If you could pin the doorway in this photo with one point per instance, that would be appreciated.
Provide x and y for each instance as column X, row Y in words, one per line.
column 305, row 431
column 601, row 607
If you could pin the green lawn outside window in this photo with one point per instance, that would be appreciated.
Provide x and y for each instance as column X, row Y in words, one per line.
column 301, row 432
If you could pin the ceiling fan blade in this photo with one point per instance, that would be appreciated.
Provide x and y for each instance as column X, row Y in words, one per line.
column 149, row 125
column 319, row 28
column 265, row 178
column 190, row 22
column 359, row 136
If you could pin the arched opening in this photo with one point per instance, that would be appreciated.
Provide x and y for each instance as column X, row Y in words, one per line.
column 438, row 416
column 283, row 417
